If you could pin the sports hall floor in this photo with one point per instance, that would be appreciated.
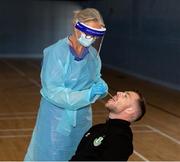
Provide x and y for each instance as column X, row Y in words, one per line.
column 156, row 136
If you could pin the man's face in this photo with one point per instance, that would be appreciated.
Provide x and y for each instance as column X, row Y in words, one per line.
column 121, row 101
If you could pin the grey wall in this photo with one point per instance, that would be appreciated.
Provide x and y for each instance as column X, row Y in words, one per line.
column 26, row 27
column 143, row 38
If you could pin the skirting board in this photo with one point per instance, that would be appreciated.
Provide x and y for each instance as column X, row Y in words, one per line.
column 145, row 78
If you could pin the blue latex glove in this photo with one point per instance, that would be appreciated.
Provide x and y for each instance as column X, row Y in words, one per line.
column 98, row 89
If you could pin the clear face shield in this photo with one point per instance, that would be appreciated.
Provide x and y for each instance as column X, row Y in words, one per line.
column 90, row 36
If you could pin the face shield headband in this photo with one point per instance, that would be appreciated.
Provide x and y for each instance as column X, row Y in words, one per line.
column 89, row 30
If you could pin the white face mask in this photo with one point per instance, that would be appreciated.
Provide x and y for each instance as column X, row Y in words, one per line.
column 85, row 41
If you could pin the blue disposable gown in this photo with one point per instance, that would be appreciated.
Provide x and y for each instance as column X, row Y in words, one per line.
column 65, row 108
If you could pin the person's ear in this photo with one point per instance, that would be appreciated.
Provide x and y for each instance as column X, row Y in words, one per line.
column 129, row 110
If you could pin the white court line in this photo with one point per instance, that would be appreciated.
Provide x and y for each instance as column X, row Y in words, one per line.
column 159, row 132
column 141, row 156
column 17, row 113
column 14, row 130
column 21, row 73
column 163, row 134
column 34, row 81
column 155, row 131
column 143, row 131
column 139, row 125
column 37, row 84
column 15, row 136
column 139, row 131
column 17, row 118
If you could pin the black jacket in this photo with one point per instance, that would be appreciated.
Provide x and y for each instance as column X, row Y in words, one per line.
column 106, row 142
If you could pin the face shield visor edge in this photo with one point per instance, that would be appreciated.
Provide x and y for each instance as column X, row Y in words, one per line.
column 90, row 36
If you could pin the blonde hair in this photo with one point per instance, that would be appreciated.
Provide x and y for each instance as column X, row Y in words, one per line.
column 88, row 14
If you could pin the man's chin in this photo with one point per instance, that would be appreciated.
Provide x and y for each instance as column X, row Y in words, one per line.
column 106, row 104
column 109, row 103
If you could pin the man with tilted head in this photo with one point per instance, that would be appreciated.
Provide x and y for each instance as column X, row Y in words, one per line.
column 113, row 140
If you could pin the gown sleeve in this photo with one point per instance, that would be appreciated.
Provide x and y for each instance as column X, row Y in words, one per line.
column 53, row 85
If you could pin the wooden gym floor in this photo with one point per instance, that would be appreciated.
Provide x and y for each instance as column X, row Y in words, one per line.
column 156, row 136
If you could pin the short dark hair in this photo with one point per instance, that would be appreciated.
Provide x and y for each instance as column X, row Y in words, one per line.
column 142, row 104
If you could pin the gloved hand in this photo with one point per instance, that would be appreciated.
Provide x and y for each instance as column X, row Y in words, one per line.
column 98, row 89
